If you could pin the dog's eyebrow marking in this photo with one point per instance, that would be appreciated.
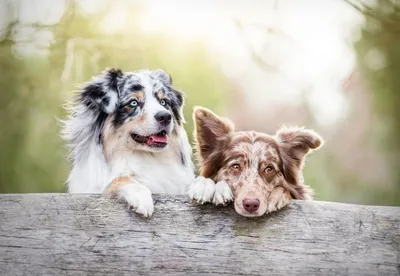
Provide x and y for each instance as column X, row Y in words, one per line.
column 241, row 139
column 272, row 158
column 271, row 154
column 137, row 87
column 267, row 140
column 235, row 156
column 139, row 95
column 160, row 93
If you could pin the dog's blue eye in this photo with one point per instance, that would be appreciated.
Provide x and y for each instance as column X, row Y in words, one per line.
column 163, row 102
column 133, row 103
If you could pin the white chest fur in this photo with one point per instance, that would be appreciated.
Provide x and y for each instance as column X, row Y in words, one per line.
column 161, row 173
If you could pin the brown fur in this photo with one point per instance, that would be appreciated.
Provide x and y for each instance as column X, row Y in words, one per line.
column 220, row 150
column 160, row 94
column 211, row 134
column 118, row 182
column 139, row 95
column 115, row 142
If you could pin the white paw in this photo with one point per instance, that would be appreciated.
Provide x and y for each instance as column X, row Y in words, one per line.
column 223, row 193
column 202, row 190
column 139, row 198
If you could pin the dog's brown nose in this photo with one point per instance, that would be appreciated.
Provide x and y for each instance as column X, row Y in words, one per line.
column 251, row 204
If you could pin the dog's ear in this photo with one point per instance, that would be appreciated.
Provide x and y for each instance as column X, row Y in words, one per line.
column 210, row 133
column 162, row 76
column 177, row 105
column 102, row 91
column 294, row 144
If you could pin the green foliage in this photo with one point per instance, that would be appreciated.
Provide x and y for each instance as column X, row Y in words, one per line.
column 33, row 157
column 379, row 61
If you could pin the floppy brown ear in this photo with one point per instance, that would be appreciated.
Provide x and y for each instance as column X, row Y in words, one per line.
column 295, row 143
column 210, row 133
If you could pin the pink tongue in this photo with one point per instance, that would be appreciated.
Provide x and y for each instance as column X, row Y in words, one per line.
column 157, row 139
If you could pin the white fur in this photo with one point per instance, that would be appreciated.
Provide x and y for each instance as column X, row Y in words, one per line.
column 152, row 172
column 161, row 172
column 202, row 190
column 273, row 206
column 138, row 197
column 223, row 193
column 112, row 104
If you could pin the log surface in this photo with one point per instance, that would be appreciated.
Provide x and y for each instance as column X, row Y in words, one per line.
column 62, row 234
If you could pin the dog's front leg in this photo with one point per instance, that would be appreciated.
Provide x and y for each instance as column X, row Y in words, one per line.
column 223, row 194
column 202, row 190
column 135, row 194
column 205, row 190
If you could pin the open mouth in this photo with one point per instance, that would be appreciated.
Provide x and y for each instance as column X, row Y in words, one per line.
column 158, row 140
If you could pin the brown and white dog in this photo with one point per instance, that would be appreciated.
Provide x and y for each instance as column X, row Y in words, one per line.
column 262, row 173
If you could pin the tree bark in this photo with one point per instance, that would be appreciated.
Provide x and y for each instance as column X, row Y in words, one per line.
column 63, row 234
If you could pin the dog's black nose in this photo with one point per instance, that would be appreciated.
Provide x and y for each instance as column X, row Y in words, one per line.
column 164, row 118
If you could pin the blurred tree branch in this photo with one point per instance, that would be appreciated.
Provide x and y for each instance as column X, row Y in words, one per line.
column 255, row 56
column 392, row 23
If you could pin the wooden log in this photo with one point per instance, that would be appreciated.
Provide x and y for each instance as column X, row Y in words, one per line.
column 62, row 234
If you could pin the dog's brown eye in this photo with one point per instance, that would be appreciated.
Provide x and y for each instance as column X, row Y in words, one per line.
column 269, row 169
column 236, row 167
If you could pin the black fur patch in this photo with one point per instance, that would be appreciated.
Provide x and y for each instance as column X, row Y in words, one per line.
column 122, row 113
column 176, row 104
column 90, row 93
column 183, row 159
column 93, row 94
column 106, row 101
column 137, row 87
column 95, row 97
column 113, row 75
column 98, row 126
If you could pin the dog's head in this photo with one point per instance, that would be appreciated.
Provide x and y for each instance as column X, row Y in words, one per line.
column 252, row 163
column 135, row 110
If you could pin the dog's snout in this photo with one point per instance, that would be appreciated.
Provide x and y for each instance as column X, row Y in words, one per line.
column 251, row 204
column 164, row 118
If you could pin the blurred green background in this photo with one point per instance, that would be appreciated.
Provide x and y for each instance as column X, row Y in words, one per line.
column 333, row 66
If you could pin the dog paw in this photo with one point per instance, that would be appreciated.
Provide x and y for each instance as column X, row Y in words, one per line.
column 278, row 199
column 223, row 194
column 139, row 199
column 202, row 190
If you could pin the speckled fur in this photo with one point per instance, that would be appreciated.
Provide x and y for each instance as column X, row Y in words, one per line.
column 220, row 150
column 99, row 133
